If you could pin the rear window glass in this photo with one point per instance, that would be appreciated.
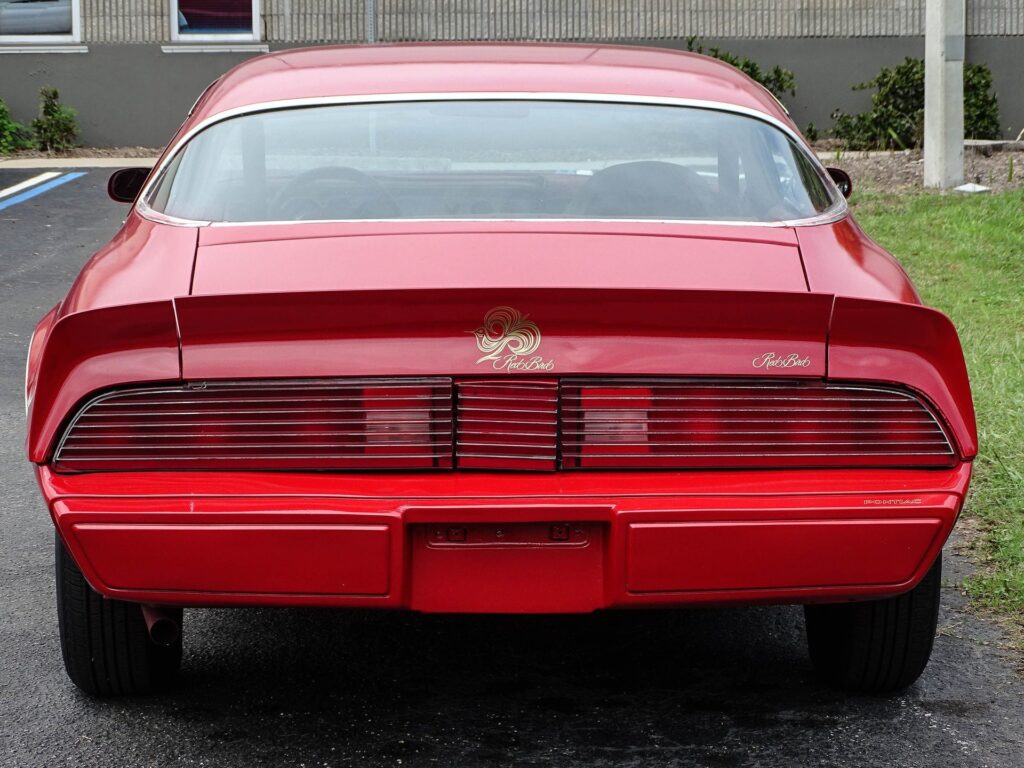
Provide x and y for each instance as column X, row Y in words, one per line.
column 492, row 160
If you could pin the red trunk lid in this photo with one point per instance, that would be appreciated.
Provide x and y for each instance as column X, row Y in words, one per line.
column 410, row 256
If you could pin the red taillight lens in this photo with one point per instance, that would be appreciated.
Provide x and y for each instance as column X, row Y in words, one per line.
column 355, row 424
column 665, row 424
column 615, row 421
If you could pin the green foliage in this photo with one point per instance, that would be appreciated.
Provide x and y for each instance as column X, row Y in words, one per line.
column 13, row 135
column 777, row 80
column 981, row 107
column 55, row 128
column 811, row 132
column 896, row 117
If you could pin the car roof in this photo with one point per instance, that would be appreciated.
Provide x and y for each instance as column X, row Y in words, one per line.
column 361, row 70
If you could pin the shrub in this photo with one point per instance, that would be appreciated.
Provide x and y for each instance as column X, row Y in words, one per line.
column 981, row 107
column 896, row 117
column 13, row 135
column 777, row 80
column 55, row 128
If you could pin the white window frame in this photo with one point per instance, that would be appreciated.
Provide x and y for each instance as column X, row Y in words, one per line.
column 224, row 37
column 74, row 38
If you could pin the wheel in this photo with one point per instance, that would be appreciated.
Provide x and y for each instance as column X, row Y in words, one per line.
column 106, row 648
column 876, row 646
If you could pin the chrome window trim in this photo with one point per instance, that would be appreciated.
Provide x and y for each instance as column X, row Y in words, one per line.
column 836, row 212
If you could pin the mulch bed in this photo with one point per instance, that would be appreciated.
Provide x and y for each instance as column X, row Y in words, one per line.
column 904, row 171
column 86, row 152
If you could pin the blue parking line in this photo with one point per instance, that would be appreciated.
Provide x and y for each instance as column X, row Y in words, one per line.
column 28, row 194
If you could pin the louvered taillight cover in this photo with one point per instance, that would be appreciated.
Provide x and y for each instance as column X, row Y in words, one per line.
column 507, row 424
column 307, row 424
column 659, row 423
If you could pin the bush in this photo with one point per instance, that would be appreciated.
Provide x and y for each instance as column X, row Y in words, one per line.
column 13, row 135
column 896, row 117
column 777, row 80
column 55, row 128
column 981, row 107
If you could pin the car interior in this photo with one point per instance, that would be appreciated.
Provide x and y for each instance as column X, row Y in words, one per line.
column 265, row 168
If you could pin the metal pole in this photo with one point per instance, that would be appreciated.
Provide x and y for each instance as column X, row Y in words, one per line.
column 945, row 27
column 371, row 20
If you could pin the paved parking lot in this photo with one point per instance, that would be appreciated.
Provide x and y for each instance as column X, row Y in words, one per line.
column 333, row 688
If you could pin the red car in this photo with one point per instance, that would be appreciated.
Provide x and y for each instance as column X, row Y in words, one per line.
column 495, row 328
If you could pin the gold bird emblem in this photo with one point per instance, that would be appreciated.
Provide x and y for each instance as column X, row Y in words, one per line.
column 506, row 330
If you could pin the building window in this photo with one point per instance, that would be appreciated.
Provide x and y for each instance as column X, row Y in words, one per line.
column 215, row 20
column 40, row 21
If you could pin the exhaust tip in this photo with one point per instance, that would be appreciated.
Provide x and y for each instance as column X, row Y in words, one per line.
column 163, row 632
column 162, row 623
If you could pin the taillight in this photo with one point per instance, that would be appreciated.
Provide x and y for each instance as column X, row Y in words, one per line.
column 345, row 424
column 508, row 423
column 686, row 424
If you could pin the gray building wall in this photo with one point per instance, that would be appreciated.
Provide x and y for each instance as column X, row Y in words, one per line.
column 129, row 91
column 312, row 21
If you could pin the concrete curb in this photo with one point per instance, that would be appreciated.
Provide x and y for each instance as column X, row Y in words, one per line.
column 76, row 162
column 43, row 163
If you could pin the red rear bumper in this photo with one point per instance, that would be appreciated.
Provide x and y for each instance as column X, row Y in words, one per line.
column 505, row 543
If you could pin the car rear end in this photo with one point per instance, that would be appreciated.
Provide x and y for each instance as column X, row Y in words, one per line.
column 481, row 387
column 754, row 476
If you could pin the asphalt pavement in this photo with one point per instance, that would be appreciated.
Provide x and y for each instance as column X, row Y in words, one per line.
column 709, row 687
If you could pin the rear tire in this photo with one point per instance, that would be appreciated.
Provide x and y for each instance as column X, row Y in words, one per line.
column 106, row 648
column 876, row 646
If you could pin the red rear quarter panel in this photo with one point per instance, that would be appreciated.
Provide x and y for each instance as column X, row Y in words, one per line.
column 144, row 262
column 910, row 345
column 93, row 350
column 115, row 326
column 840, row 259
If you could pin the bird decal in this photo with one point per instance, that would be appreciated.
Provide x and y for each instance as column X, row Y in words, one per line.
column 506, row 329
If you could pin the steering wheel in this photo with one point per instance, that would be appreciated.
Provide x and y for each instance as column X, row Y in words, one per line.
column 334, row 192
column 643, row 189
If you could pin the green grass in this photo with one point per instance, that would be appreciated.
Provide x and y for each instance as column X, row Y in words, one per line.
column 966, row 256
